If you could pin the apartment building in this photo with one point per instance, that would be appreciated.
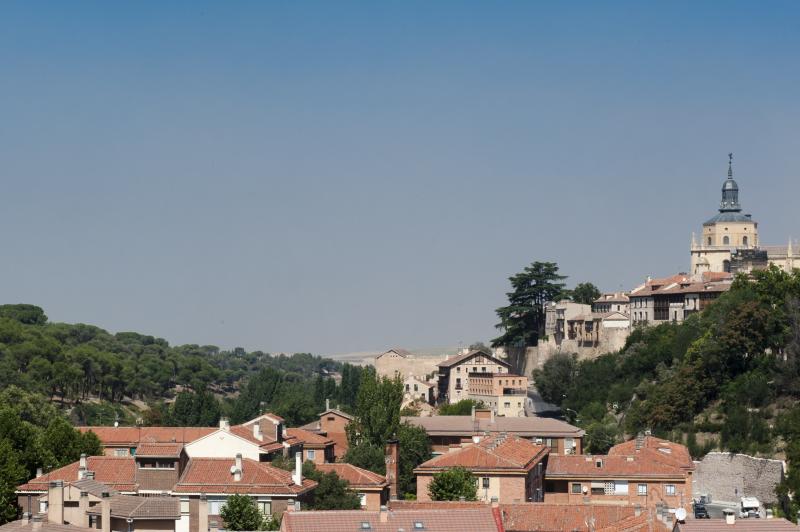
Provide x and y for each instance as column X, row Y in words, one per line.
column 507, row 468
column 642, row 472
column 676, row 297
column 505, row 393
column 455, row 371
column 611, row 302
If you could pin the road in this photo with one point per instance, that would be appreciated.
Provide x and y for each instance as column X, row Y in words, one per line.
column 536, row 406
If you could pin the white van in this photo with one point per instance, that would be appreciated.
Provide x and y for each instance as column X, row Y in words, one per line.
column 749, row 507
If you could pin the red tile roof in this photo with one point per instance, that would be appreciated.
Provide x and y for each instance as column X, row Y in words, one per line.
column 213, row 475
column 618, row 467
column 492, row 452
column 355, row 476
column 159, row 449
column 131, row 436
column 434, row 505
column 545, row 517
column 657, row 449
column 266, row 444
column 309, row 438
column 340, row 444
column 741, row 525
column 472, row 520
column 118, row 473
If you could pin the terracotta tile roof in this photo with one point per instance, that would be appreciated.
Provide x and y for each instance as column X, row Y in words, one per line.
column 545, row 517
column 656, row 449
column 267, row 444
column 472, row 520
column 613, row 297
column 118, row 473
column 684, row 284
column 131, row 436
column 314, row 426
column 44, row 526
column 125, row 506
column 450, row 362
column 617, row 467
column 492, row 452
column 93, row 487
column 337, row 412
column 741, row 525
column 309, row 438
column 635, row 523
column 213, row 475
column 465, row 426
column 159, row 450
column 355, row 476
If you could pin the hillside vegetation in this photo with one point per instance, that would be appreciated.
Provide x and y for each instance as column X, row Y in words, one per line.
column 730, row 374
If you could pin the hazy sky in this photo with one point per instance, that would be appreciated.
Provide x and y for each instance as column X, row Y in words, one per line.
column 348, row 176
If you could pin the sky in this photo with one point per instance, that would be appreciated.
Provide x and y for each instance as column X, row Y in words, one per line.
column 340, row 177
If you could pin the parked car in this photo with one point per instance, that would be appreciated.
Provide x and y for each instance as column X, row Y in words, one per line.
column 700, row 511
column 749, row 507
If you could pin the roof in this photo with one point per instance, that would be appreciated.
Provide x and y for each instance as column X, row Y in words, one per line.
column 434, row 505
column 355, row 476
column 117, row 472
column 159, row 450
column 465, row 426
column 309, row 439
column 683, row 284
column 546, row 517
column 266, row 443
column 131, row 436
column 741, row 525
column 338, row 413
column 617, row 467
column 728, row 217
column 340, row 443
column 45, row 526
column 472, row 519
column 491, row 452
column 405, row 353
column 213, row 475
column 656, row 449
column 93, row 487
column 450, row 362
column 612, row 297
column 125, row 506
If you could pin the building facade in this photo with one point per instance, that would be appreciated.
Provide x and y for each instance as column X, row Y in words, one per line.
column 453, row 377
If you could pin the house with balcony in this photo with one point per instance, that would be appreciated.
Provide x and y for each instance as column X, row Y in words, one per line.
column 455, row 371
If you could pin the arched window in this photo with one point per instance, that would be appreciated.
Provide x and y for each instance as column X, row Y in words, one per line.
column 725, row 240
column 709, row 241
column 744, row 240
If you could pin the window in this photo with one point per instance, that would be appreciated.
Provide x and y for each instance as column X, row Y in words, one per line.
column 184, row 506
column 311, row 454
column 598, row 488
column 598, row 463
column 485, row 482
column 744, row 240
column 362, row 498
column 265, row 507
column 215, row 505
column 416, row 388
column 120, row 452
column 620, row 487
column 641, row 489
column 408, row 388
column 709, row 241
column 331, row 418
column 576, row 487
column 483, row 369
column 365, row 525
column 507, row 404
column 418, row 525
column 669, row 489
column 608, row 487
column 458, row 369
column 726, row 240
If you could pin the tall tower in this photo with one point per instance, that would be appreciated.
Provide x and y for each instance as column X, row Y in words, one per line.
column 726, row 232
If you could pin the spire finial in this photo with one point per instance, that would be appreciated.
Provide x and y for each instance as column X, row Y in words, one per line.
column 730, row 166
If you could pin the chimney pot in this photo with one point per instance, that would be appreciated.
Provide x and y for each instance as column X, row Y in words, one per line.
column 224, row 424
column 327, row 404
column 38, row 472
column 384, row 517
column 298, row 468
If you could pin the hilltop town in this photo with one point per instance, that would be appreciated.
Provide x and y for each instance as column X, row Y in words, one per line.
column 483, row 439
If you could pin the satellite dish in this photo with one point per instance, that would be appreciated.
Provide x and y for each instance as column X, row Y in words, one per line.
column 680, row 514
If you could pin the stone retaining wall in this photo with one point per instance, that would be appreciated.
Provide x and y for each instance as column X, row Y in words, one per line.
column 729, row 476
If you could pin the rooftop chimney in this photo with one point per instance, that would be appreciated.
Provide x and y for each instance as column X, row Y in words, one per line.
column 384, row 514
column 297, row 477
column 257, row 432
column 37, row 522
column 83, row 509
column 473, row 412
column 105, row 512
column 237, row 468
column 224, row 424
column 492, row 418
column 55, row 502
column 392, row 453
column 38, row 472
column 327, row 404
column 290, row 505
column 730, row 516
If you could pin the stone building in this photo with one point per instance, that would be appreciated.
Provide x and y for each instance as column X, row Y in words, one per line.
column 729, row 241
column 674, row 298
column 454, row 374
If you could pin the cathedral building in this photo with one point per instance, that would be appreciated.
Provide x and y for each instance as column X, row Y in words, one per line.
column 729, row 241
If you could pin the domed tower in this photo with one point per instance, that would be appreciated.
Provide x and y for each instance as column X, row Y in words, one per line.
column 727, row 231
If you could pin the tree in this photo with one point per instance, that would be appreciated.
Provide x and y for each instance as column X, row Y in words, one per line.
column 12, row 473
column 334, row 493
column 415, row 448
column 377, row 413
column 522, row 320
column 585, row 293
column 461, row 408
column 241, row 513
column 553, row 380
column 452, row 484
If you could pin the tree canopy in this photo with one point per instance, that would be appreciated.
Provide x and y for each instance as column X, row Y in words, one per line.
column 522, row 320
column 452, row 484
column 585, row 293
